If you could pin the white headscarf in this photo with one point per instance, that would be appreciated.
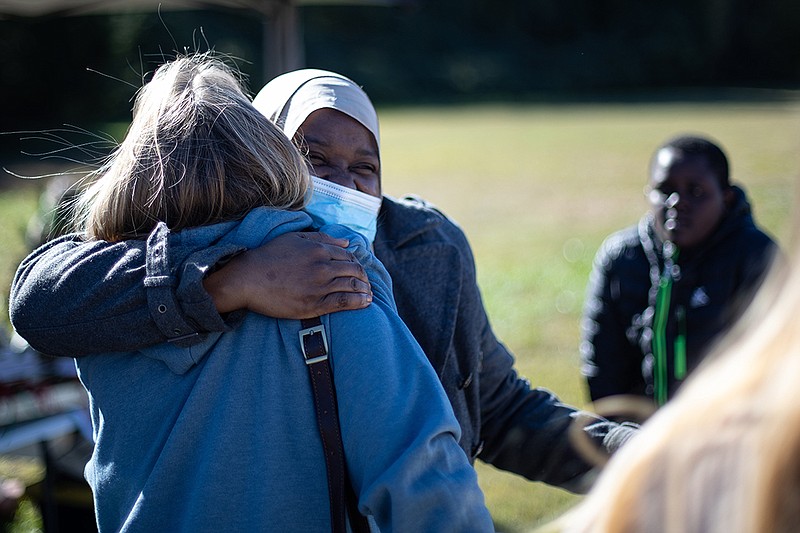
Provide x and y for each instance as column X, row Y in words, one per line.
column 290, row 98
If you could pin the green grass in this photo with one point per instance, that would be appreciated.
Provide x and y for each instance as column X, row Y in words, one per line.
column 537, row 188
column 16, row 206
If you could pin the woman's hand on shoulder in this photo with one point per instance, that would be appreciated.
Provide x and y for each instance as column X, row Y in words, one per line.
column 296, row 275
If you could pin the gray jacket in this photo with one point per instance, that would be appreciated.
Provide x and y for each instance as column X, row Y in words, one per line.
column 64, row 310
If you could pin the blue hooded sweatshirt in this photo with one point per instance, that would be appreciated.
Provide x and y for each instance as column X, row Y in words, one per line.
column 222, row 435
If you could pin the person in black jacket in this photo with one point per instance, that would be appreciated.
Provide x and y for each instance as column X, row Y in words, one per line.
column 661, row 291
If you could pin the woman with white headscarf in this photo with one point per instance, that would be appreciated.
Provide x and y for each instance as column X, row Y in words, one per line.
column 503, row 420
column 334, row 123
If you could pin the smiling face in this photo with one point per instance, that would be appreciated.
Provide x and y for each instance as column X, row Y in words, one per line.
column 340, row 149
column 687, row 198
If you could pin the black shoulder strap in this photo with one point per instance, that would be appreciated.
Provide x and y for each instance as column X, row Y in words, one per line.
column 314, row 345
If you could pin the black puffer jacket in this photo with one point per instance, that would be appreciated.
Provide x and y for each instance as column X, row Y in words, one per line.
column 712, row 286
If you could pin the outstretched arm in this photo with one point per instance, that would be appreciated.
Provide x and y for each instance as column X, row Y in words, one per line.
column 525, row 429
column 72, row 298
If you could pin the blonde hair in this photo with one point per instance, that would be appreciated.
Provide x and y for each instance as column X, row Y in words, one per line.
column 197, row 152
column 724, row 455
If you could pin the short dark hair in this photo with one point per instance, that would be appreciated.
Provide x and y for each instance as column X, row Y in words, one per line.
column 692, row 145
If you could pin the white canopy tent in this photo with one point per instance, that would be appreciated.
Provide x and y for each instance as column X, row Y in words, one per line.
column 282, row 37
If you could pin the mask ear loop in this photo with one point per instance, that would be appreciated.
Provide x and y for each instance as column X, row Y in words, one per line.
column 632, row 408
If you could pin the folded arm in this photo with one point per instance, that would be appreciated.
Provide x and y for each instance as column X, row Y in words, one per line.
column 526, row 430
column 73, row 297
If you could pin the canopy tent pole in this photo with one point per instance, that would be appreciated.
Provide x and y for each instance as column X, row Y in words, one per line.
column 282, row 49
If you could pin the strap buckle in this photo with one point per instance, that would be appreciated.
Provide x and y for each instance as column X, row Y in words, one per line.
column 314, row 344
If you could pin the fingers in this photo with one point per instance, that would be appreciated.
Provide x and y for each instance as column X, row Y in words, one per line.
column 349, row 284
column 335, row 270
column 337, row 262
column 335, row 246
column 336, row 253
column 324, row 238
column 344, row 301
column 298, row 275
column 331, row 303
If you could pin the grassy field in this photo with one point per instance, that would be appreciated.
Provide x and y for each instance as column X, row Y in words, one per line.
column 537, row 188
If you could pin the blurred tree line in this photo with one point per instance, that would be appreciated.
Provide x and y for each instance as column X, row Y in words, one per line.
column 85, row 70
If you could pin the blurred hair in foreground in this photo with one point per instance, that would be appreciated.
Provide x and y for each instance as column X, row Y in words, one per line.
column 724, row 455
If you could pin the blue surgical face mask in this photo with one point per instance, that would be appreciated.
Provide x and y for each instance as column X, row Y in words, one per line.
column 333, row 204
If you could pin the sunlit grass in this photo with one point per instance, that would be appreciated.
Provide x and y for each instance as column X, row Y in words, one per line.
column 537, row 188
column 16, row 207
column 29, row 471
